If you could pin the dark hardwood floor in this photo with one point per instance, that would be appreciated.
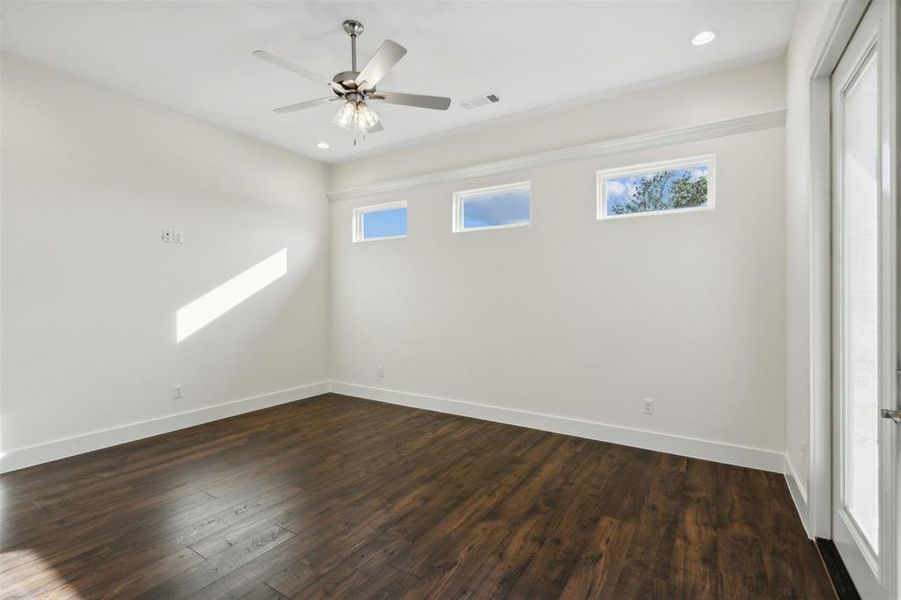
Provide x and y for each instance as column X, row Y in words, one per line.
column 346, row 498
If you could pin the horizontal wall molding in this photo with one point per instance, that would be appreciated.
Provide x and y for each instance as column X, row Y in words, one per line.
column 48, row 451
column 756, row 458
column 798, row 493
column 668, row 137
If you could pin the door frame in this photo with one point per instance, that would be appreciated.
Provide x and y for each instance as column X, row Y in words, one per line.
column 844, row 18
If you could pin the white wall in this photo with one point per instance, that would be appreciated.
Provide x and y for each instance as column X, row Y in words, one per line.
column 572, row 317
column 569, row 318
column 90, row 177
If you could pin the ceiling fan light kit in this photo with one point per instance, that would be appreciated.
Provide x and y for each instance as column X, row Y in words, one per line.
column 357, row 88
column 356, row 116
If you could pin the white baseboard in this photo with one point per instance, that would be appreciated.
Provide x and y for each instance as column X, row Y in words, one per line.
column 20, row 458
column 756, row 458
column 798, row 493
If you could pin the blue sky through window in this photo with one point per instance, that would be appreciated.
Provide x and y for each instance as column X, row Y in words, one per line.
column 501, row 207
column 385, row 223
column 618, row 189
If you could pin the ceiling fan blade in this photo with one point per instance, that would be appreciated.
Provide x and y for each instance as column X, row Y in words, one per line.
column 285, row 64
column 307, row 104
column 381, row 62
column 418, row 100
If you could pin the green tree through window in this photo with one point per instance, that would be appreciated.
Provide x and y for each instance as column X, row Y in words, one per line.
column 663, row 190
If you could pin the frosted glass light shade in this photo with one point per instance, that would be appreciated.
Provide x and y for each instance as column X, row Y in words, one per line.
column 345, row 115
column 356, row 116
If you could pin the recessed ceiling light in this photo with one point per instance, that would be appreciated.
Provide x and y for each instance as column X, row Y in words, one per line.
column 705, row 37
column 323, row 146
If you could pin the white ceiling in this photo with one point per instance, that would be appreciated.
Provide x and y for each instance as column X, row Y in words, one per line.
column 195, row 57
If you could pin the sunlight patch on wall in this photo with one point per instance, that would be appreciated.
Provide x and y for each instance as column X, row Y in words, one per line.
column 215, row 303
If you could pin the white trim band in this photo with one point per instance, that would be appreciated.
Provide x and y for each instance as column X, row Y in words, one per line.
column 732, row 454
column 19, row 458
column 743, row 456
column 798, row 494
column 694, row 133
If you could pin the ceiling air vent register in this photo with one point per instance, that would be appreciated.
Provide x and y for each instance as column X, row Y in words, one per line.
column 480, row 101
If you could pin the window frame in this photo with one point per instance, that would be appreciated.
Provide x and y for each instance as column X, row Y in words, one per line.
column 361, row 211
column 604, row 175
column 460, row 197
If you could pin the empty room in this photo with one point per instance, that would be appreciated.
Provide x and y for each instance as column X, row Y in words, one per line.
column 461, row 299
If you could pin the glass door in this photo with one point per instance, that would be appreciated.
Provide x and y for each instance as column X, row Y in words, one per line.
column 864, row 309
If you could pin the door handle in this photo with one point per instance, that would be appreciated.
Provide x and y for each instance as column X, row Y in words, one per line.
column 894, row 415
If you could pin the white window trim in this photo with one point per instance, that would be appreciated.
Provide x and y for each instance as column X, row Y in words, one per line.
column 460, row 197
column 604, row 175
column 363, row 210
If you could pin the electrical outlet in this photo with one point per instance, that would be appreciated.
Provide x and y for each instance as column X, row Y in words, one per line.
column 648, row 407
column 803, row 448
column 381, row 371
column 176, row 392
column 172, row 236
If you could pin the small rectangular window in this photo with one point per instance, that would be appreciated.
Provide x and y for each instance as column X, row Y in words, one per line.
column 495, row 207
column 680, row 185
column 380, row 222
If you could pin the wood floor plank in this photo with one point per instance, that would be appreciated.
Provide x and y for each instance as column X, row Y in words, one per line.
column 250, row 545
column 259, row 592
column 340, row 497
column 740, row 565
column 597, row 568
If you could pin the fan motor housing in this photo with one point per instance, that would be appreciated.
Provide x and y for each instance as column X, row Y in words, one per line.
column 346, row 78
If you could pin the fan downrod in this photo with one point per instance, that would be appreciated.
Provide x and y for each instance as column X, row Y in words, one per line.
column 353, row 29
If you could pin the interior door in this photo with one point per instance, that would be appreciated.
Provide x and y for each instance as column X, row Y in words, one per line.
column 865, row 445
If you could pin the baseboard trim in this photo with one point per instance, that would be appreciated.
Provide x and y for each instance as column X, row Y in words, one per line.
column 798, row 493
column 756, row 458
column 19, row 458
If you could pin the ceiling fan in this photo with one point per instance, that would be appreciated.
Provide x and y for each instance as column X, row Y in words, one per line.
column 355, row 89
